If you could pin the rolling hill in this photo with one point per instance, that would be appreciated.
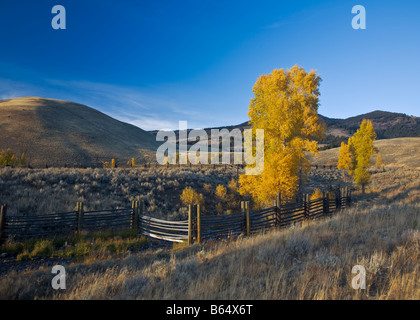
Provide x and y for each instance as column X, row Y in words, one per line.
column 57, row 132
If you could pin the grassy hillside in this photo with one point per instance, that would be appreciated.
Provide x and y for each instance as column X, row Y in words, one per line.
column 396, row 153
column 381, row 232
column 57, row 132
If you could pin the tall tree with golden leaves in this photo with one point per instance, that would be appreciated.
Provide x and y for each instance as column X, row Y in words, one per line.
column 344, row 157
column 379, row 162
column 355, row 156
column 285, row 105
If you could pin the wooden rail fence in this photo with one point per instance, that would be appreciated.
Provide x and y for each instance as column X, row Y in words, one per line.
column 120, row 164
column 197, row 228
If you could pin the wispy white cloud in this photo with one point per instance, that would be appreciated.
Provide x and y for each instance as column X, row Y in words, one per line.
column 152, row 123
column 12, row 89
column 147, row 109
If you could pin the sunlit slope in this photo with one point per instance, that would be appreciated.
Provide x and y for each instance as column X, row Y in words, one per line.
column 398, row 152
column 57, row 132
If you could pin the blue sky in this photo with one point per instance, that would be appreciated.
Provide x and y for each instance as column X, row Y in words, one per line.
column 154, row 63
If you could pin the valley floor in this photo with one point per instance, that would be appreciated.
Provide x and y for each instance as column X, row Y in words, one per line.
column 380, row 232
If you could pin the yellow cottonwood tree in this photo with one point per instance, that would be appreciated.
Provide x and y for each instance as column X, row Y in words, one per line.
column 190, row 196
column 355, row 156
column 379, row 162
column 285, row 105
column 221, row 192
column 233, row 186
column 8, row 158
column 344, row 157
column 23, row 161
column 166, row 160
column 317, row 194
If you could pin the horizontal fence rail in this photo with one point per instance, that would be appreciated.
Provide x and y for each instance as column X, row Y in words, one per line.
column 215, row 227
column 196, row 228
column 175, row 231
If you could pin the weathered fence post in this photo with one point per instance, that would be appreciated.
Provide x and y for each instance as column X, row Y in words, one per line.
column 134, row 225
column 324, row 203
column 305, row 200
column 136, row 215
column 278, row 209
column 349, row 197
column 248, row 221
column 327, row 203
column 275, row 212
column 338, row 199
column 308, row 206
column 243, row 211
column 346, row 195
column 198, row 225
column 190, row 213
column 140, row 213
column 79, row 216
column 133, row 213
column 3, row 211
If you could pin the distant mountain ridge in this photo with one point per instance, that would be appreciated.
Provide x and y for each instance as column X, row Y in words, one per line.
column 387, row 125
column 57, row 132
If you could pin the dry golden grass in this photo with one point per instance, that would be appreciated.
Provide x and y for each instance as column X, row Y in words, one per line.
column 398, row 152
column 311, row 262
column 380, row 232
